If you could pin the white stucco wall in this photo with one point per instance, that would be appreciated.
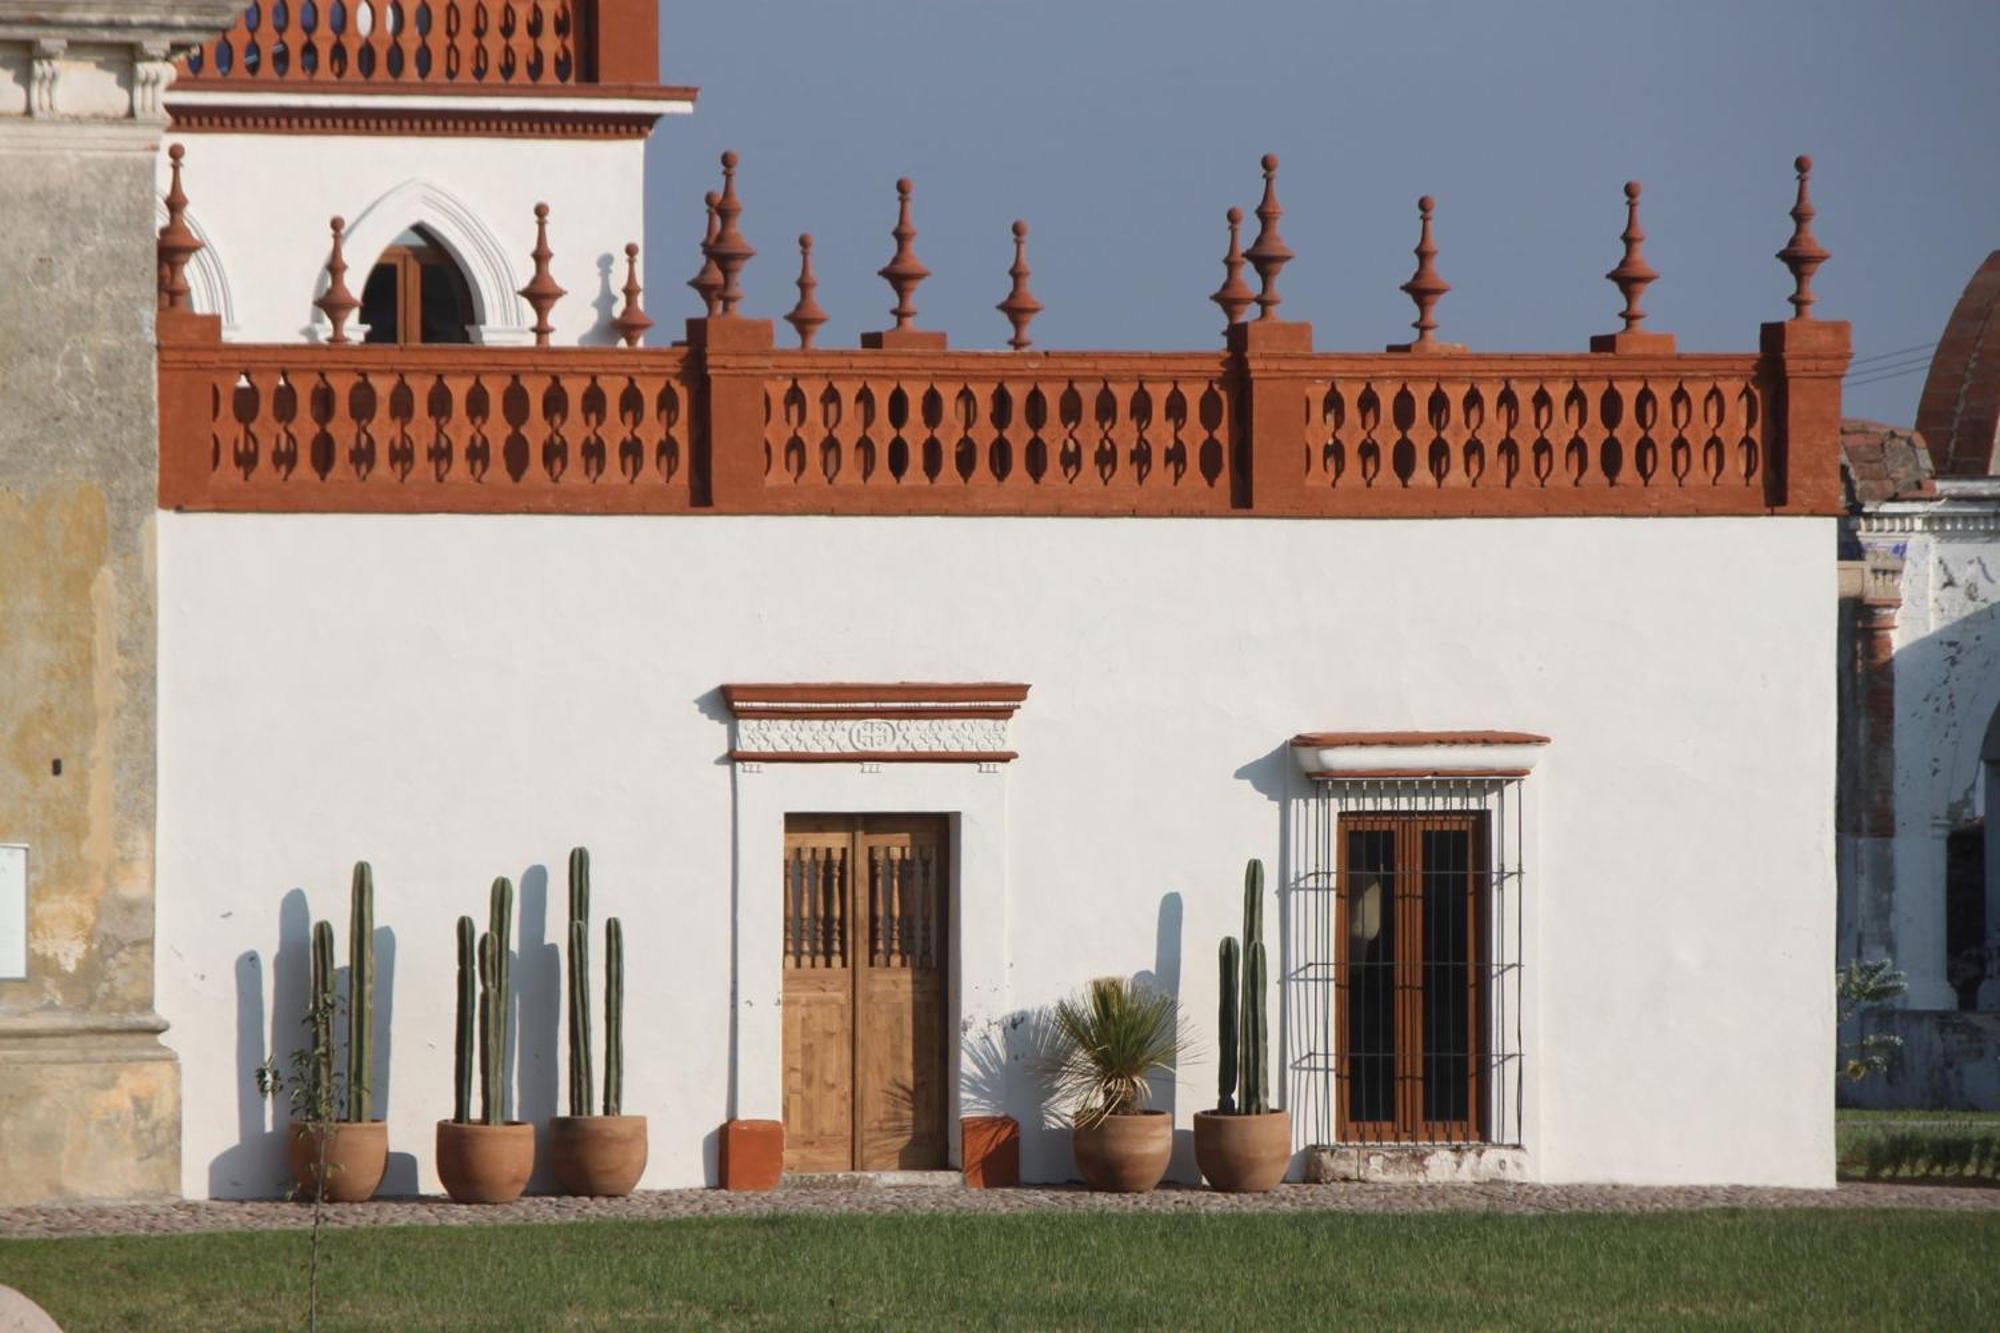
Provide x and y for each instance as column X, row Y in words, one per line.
column 455, row 698
column 262, row 201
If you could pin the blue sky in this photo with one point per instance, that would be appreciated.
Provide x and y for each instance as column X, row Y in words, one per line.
column 1123, row 129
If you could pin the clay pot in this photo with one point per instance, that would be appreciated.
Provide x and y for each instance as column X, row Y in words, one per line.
column 1125, row 1154
column 356, row 1157
column 597, row 1154
column 1243, row 1154
column 485, row 1163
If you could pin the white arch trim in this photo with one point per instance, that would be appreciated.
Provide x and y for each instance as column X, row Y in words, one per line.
column 502, row 315
column 208, row 283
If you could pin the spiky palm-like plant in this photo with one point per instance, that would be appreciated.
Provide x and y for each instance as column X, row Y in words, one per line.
column 1109, row 1040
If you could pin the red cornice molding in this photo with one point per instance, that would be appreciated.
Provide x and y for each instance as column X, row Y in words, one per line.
column 440, row 123
column 307, row 90
column 904, row 699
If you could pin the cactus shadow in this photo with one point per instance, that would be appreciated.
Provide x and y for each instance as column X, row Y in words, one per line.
column 254, row 1166
column 537, row 1003
column 1165, row 976
column 246, row 1167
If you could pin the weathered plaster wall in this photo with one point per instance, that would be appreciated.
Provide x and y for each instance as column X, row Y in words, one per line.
column 89, row 1099
column 455, row 698
column 262, row 203
column 1947, row 693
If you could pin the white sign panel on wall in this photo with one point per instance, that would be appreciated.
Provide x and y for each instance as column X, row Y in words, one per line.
column 13, row 912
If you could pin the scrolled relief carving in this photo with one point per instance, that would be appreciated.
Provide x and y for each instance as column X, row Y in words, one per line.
column 871, row 735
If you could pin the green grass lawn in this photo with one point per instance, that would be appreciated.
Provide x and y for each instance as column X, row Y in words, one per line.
column 1733, row 1269
column 1949, row 1146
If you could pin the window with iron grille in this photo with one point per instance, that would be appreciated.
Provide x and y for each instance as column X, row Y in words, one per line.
column 1403, row 992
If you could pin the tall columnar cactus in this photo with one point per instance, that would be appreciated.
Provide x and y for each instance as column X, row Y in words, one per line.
column 361, row 996
column 322, row 1104
column 1252, row 1077
column 1230, row 963
column 468, row 997
column 494, row 949
column 580, row 1079
column 614, row 1016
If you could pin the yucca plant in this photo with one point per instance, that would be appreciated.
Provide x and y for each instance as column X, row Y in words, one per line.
column 1108, row 1041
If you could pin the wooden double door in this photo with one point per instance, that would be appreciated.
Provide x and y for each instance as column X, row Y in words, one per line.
column 867, row 958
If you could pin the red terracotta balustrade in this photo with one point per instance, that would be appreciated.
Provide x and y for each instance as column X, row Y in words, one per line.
column 729, row 422
column 491, row 46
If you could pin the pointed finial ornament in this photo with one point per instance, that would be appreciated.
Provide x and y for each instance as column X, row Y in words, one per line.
column 1020, row 307
column 806, row 317
column 1234, row 295
column 730, row 250
column 542, row 292
column 1633, row 274
column 904, row 270
column 337, row 304
column 1269, row 253
column 632, row 321
column 1803, row 254
column 707, row 282
column 177, row 243
column 1425, row 287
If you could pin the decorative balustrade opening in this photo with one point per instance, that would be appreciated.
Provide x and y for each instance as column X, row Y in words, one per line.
column 494, row 42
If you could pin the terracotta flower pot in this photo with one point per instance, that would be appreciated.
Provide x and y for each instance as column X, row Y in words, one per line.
column 356, row 1157
column 1125, row 1154
column 1243, row 1154
column 597, row 1154
column 485, row 1163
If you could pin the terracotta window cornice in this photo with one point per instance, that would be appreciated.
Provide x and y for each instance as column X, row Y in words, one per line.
column 1335, row 756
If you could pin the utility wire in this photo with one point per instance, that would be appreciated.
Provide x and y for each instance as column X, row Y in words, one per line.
column 1902, row 351
column 1891, row 368
column 1891, row 375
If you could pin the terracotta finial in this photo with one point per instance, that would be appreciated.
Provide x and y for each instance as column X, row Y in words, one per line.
column 338, row 304
column 1269, row 253
column 1803, row 254
column 806, row 316
column 1234, row 295
column 1425, row 287
column 542, row 292
column 632, row 321
column 904, row 270
column 707, row 282
column 177, row 243
column 730, row 249
column 1633, row 274
column 1020, row 307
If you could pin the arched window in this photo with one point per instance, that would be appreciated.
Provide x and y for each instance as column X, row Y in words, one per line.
column 416, row 294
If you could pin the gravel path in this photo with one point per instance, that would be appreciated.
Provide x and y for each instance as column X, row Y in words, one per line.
column 661, row 1205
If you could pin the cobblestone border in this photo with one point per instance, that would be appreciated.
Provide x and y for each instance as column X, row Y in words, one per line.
column 65, row 1220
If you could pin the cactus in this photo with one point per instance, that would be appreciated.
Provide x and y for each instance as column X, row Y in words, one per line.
column 494, row 972
column 321, row 1100
column 1252, row 1078
column 468, row 996
column 1242, row 1075
column 614, row 1016
column 361, row 997
column 1230, row 962
column 580, row 1080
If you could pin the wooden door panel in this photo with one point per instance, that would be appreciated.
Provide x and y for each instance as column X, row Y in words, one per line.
column 819, row 1069
column 866, row 956
column 818, row 1001
column 899, row 1039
